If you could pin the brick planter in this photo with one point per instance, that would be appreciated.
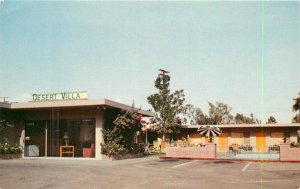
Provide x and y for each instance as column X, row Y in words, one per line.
column 207, row 152
column 10, row 156
column 289, row 154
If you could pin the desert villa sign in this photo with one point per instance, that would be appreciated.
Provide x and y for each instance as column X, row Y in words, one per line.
column 60, row 96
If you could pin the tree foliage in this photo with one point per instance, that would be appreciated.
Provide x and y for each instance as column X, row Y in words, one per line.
column 271, row 120
column 295, row 108
column 296, row 105
column 4, row 125
column 119, row 138
column 219, row 113
column 296, row 119
column 167, row 105
column 242, row 119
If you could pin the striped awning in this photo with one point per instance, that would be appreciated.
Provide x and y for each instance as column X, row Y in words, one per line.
column 210, row 131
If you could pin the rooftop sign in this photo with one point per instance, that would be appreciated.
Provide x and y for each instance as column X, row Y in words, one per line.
column 60, row 96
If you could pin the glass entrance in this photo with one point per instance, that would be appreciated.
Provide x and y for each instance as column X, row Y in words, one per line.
column 46, row 138
column 77, row 134
column 34, row 138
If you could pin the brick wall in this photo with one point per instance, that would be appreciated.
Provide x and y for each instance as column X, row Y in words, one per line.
column 207, row 152
column 289, row 154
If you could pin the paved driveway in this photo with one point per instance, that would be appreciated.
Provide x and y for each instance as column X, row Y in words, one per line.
column 149, row 172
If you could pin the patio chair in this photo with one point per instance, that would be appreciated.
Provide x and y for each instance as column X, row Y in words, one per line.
column 235, row 148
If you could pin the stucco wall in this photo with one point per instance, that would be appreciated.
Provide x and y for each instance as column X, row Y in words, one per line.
column 207, row 152
column 289, row 154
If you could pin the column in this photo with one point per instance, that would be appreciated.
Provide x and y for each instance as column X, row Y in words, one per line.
column 99, row 136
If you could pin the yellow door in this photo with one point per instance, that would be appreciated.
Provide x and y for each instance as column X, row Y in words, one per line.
column 223, row 142
column 261, row 141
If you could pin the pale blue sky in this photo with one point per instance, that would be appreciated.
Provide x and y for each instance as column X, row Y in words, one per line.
column 114, row 50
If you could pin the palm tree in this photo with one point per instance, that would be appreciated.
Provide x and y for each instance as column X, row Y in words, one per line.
column 296, row 107
column 296, row 119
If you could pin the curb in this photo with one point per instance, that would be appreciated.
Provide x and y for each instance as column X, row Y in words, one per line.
column 217, row 159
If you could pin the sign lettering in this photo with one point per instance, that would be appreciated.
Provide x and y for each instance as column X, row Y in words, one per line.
column 60, row 96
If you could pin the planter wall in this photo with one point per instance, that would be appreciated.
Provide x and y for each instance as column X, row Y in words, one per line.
column 122, row 156
column 207, row 152
column 289, row 154
column 10, row 156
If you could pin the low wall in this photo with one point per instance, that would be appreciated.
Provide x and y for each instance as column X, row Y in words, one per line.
column 206, row 152
column 289, row 154
column 122, row 156
column 10, row 156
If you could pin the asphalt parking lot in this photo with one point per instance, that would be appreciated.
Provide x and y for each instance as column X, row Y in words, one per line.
column 149, row 172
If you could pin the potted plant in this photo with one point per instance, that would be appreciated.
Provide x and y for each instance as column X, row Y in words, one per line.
column 87, row 149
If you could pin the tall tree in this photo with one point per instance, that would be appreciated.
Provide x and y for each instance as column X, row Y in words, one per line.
column 167, row 106
column 241, row 118
column 201, row 118
column 296, row 107
column 219, row 113
column 296, row 119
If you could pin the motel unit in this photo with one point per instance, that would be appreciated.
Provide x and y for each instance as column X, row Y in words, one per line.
column 250, row 137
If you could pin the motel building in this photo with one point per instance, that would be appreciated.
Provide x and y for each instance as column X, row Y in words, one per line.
column 268, row 142
column 66, row 124
column 247, row 138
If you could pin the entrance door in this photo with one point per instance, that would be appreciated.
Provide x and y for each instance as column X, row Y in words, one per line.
column 34, row 138
column 53, row 138
column 223, row 142
column 261, row 141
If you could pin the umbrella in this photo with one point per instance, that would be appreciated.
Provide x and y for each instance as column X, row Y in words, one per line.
column 210, row 131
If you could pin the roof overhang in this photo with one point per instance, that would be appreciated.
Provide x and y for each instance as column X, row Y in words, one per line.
column 5, row 105
column 247, row 125
column 73, row 104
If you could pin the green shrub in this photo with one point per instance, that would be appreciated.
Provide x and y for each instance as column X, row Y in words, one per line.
column 112, row 148
column 9, row 149
column 136, row 148
column 118, row 138
column 295, row 145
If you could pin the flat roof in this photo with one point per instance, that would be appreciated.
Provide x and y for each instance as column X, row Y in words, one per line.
column 247, row 125
column 4, row 105
column 72, row 103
